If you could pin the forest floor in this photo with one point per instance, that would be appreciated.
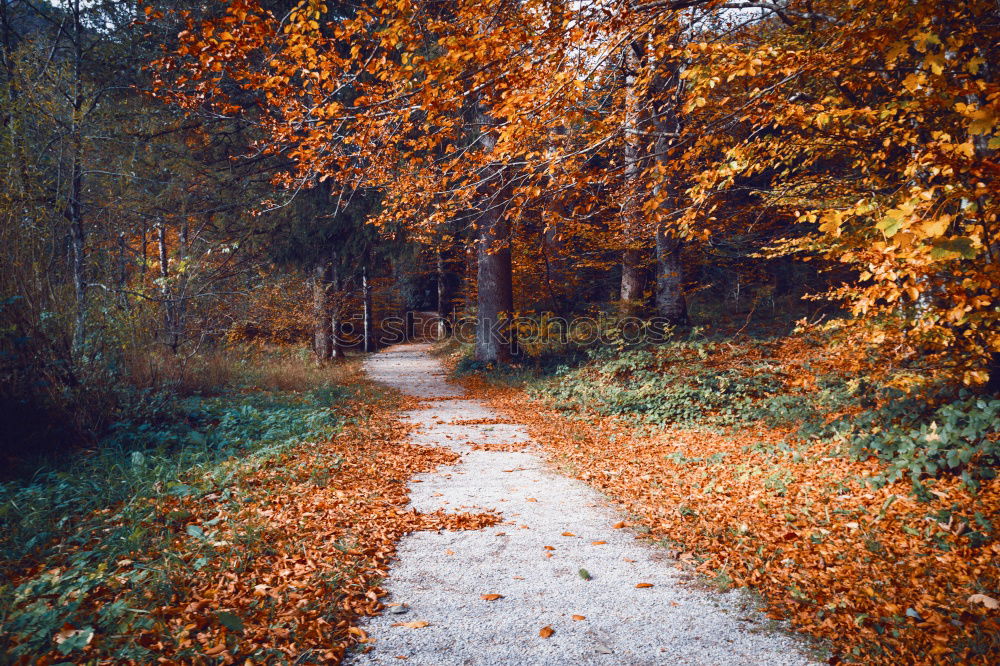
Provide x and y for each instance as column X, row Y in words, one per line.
column 733, row 458
column 379, row 513
column 560, row 579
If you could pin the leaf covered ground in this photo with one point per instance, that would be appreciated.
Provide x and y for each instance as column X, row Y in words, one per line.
column 265, row 557
column 890, row 572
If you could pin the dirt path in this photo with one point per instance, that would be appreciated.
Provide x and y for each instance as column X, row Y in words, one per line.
column 554, row 527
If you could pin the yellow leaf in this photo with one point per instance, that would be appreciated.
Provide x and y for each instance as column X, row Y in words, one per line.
column 934, row 228
column 983, row 121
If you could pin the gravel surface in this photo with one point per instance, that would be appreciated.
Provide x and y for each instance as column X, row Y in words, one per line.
column 554, row 527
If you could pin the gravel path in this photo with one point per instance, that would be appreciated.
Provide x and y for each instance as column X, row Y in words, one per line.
column 554, row 527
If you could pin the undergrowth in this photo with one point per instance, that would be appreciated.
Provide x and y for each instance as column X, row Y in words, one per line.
column 715, row 385
column 73, row 521
column 862, row 506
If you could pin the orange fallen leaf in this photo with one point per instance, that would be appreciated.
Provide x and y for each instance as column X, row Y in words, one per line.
column 449, row 551
column 416, row 624
column 597, row 543
column 359, row 632
column 215, row 650
column 568, row 534
column 642, row 585
column 546, row 631
column 579, row 617
column 620, row 525
column 531, row 499
column 491, row 597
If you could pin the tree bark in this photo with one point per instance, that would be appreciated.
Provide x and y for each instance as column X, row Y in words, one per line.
column 495, row 288
column 78, row 238
column 671, row 306
column 165, row 295
column 321, row 311
column 670, row 303
column 633, row 284
column 336, row 341
column 366, row 299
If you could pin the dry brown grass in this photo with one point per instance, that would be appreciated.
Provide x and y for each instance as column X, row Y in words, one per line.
column 214, row 370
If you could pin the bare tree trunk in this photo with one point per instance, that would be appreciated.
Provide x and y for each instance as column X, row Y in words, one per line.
column 670, row 302
column 494, row 342
column 321, row 311
column 667, row 89
column 633, row 284
column 445, row 292
column 494, row 336
column 165, row 295
column 366, row 299
column 78, row 237
column 336, row 342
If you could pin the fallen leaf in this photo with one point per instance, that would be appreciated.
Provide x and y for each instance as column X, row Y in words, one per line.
column 620, row 525
column 598, row 543
column 568, row 534
column 989, row 602
column 416, row 624
column 579, row 617
column 642, row 585
column 491, row 597
column 359, row 632
column 546, row 631
column 215, row 650
column 584, row 574
column 449, row 551
column 531, row 499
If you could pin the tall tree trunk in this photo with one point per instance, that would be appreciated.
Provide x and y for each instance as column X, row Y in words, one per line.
column 336, row 316
column 445, row 292
column 78, row 237
column 366, row 299
column 180, row 290
column 670, row 302
column 165, row 295
column 667, row 92
column 633, row 284
column 321, row 311
column 494, row 342
column 495, row 284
